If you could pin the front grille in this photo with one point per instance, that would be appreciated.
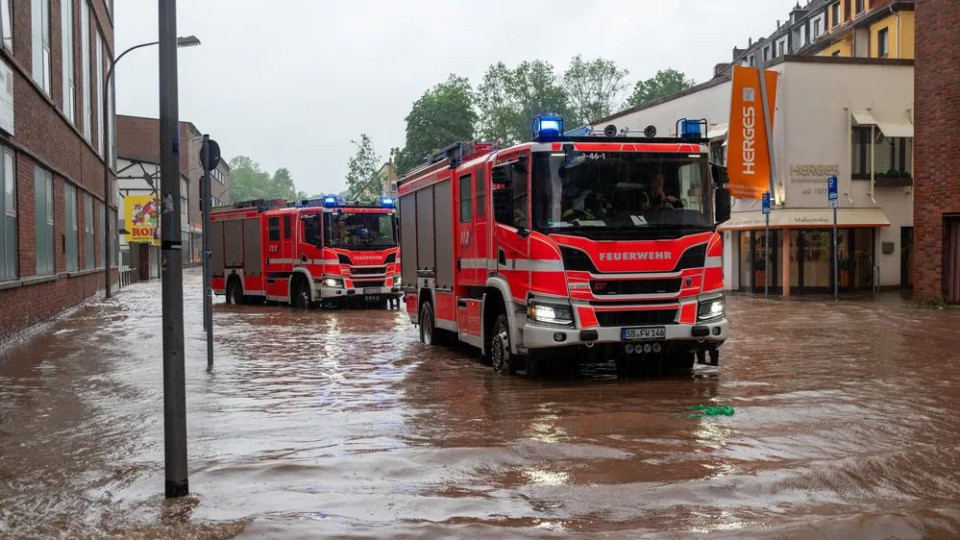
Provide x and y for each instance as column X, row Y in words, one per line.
column 368, row 283
column 377, row 270
column 635, row 286
column 636, row 318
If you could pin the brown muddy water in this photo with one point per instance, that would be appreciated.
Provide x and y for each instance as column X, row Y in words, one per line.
column 341, row 424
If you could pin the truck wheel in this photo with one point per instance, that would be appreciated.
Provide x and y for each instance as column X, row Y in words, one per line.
column 500, row 347
column 428, row 330
column 301, row 295
column 234, row 292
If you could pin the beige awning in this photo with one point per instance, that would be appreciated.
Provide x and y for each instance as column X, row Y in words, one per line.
column 896, row 128
column 864, row 118
column 807, row 218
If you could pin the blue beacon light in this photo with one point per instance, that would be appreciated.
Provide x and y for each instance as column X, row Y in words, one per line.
column 329, row 201
column 387, row 202
column 547, row 127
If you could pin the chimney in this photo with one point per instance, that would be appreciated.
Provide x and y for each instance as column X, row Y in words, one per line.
column 749, row 42
column 778, row 24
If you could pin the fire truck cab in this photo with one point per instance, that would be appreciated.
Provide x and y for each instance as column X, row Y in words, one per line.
column 601, row 242
column 306, row 252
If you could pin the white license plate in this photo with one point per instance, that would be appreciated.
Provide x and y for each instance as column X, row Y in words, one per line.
column 646, row 333
column 371, row 290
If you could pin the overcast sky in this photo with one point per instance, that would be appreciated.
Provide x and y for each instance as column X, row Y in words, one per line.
column 291, row 82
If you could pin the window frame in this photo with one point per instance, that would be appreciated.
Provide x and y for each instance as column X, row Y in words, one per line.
column 89, row 253
column 71, row 227
column 41, row 56
column 6, row 24
column 9, row 224
column 44, row 248
column 834, row 14
column 883, row 42
column 87, row 106
column 67, row 61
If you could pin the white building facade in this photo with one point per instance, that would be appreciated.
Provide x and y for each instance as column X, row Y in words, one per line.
column 828, row 110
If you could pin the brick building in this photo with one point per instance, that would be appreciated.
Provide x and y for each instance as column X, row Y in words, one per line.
column 54, row 55
column 138, row 140
column 937, row 185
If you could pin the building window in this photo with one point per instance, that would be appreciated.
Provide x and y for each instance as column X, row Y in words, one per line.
column 766, row 54
column 101, row 229
column 66, row 54
column 98, row 77
column 85, row 67
column 892, row 156
column 8, row 220
column 6, row 23
column 836, row 53
column 860, row 6
column 71, row 228
column 834, row 14
column 751, row 61
column 40, row 21
column 88, row 260
column 782, row 47
column 883, row 43
column 43, row 219
column 466, row 198
column 816, row 29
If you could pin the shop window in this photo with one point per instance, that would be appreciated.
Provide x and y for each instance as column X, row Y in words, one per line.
column 71, row 228
column 892, row 156
column 8, row 217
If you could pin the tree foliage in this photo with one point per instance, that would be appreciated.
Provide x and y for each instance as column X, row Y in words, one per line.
column 509, row 99
column 363, row 184
column 443, row 115
column 664, row 83
column 249, row 182
column 594, row 89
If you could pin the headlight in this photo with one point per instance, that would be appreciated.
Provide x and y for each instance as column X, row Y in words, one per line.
column 712, row 308
column 333, row 282
column 550, row 313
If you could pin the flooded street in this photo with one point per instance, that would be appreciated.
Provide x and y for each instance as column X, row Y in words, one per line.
column 340, row 423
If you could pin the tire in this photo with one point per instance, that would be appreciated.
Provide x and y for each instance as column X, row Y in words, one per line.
column 428, row 329
column 234, row 292
column 680, row 362
column 300, row 299
column 500, row 357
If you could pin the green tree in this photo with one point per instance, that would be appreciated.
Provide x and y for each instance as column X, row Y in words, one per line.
column 664, row 83
column 249, row 182
column 594, row 89
column 443, row 115
column 363, row 184
column 509, row 99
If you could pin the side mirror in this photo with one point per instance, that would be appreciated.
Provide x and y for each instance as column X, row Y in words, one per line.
column 722, row 204
column 501, row 175
column 503, row 206
column 719, row 173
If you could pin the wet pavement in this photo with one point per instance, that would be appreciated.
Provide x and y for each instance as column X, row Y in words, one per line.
column 340, row 423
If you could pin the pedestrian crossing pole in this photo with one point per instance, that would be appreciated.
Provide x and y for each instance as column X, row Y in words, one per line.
column 174, row 390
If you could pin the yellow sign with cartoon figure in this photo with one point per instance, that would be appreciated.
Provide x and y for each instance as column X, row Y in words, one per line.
column 142, row 219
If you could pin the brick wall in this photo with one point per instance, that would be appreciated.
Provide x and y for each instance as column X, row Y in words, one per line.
column 44, row 137
column 937, row 157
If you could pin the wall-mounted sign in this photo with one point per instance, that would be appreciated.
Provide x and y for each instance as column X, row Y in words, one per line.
column 142, row 219
column 748, row 152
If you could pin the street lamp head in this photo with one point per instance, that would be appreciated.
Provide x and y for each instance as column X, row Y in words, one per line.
column 188, row 41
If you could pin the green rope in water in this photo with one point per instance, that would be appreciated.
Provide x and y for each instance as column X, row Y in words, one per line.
column 707, row 410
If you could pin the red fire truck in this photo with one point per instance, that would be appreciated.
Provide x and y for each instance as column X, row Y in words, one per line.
column 601, row 242
column 308, row 252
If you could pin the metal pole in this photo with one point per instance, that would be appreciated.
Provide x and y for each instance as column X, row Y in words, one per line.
column 174, row 398
column 836, row 260
column 766, row 261
column 207, row 288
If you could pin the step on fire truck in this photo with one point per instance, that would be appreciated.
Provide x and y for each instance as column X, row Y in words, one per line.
column 599, row 243
column 307, row 252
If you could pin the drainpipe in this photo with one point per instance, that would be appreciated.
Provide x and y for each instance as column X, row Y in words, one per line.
column 849, row 110
column 873, row 134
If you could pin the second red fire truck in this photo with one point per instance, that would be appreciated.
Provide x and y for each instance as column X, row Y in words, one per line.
column 304, row 253
column 546, row 250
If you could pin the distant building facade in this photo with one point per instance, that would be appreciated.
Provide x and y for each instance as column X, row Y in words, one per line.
column 54, row 148
column 937, row 263
column 138, row 143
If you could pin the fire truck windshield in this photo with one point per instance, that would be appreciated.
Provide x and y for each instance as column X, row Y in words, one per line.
column 359, row 230
column 621, row 195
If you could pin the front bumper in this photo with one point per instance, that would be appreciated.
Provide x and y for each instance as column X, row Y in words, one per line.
column 536, row 336
column 358, row 292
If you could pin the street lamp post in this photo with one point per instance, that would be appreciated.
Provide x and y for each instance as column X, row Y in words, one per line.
column 187, row 41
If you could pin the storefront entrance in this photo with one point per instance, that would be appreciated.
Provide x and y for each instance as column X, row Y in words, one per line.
column 811, row 260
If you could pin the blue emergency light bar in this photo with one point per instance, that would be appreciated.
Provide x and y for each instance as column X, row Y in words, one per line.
column 692, row 129
column 388, row 202
column 329, row 201
column 547, row 127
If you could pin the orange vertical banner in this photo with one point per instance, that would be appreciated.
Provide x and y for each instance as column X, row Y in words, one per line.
column 748, row 153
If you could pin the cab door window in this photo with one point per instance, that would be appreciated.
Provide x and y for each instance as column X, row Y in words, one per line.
column 466, row 203
column 273, row 229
